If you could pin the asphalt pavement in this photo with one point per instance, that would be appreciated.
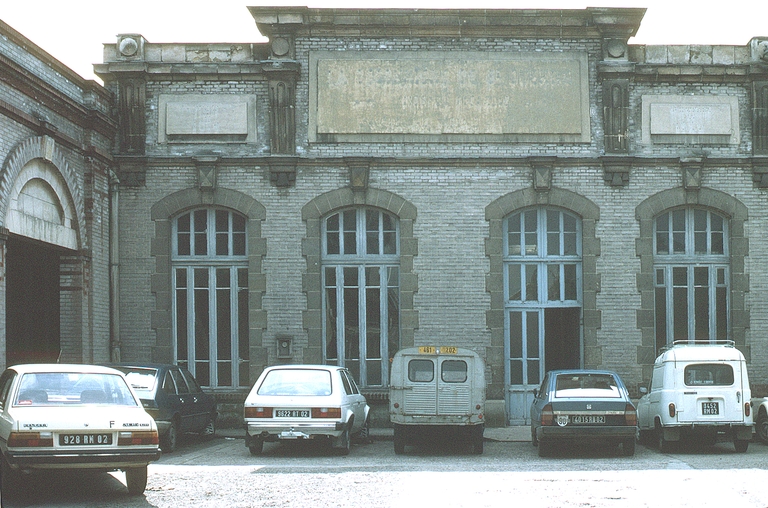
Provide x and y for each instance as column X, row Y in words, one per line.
column 502, row 434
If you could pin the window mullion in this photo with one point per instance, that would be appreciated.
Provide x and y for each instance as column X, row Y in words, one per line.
column 234, row 327
column 362, row 312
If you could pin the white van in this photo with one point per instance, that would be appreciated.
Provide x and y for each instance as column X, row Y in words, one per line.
column 434, row 388
column 698, row 389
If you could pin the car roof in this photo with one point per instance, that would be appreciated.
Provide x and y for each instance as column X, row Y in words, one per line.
column 34, row 368
column 701, row 353
column 305, row 367
column 139, row 365
column 584, row 371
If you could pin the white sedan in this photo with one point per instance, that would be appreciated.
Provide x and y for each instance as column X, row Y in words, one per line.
column 291, row 402
column 59, row 416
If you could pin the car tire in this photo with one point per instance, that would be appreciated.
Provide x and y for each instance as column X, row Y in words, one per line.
column 741, row 445
column 210, row 428
column 364, row 436
column 256, row 446
column 399, row 440
column 136, row 480
column 170, row 438
column 343, row 442
column 534, row 439
column 477, row 439
column 761, row 427
column 545, row 449
column 628, row 447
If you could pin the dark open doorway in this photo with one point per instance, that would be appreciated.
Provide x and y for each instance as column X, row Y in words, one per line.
column 562, row 338
column 32, row 302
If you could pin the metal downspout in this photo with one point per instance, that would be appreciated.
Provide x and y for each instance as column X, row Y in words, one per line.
column 114, row 271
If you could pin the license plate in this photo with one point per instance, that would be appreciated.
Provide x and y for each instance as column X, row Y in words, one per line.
column 710, row 408
column 292, row 413
column 588, row 419
column 85, row 439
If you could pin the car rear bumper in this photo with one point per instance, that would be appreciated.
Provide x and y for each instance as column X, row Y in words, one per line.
column 295, row 431
column 97, row 459
column 571, row 432
column 674, row 432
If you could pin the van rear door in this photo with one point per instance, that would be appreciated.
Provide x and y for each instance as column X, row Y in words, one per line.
column 454, row 385
column 712, row 391
column 419, row 385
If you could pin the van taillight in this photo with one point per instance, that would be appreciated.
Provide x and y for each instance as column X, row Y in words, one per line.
column 547, row 415
column 630, row 415
column 672, row 411
column 747, row 409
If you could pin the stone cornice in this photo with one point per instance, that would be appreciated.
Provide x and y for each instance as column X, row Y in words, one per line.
column 540, row 23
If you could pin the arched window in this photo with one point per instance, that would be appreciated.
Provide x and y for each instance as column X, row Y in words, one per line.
column 210, row 301
column 691, row 276
column 361, row 278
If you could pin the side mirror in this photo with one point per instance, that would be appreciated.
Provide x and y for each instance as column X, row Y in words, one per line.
column 536, row 392
column 643, row 390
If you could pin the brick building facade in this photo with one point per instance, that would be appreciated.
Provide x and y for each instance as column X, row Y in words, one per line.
column 521, row 182
column 56, row 132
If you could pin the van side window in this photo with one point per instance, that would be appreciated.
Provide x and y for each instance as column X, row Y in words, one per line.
column 658, row 378
column 421, row 371
column 712, row 374
column 454, row 371
column 345, row 382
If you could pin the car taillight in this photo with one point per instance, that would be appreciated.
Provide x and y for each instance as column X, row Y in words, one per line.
column 144, row 437
column 747, row 409
column 30, row 439
column 630, row 415
column 258, row 412
column 547, row 415
column 672, row 410
column 326, row 412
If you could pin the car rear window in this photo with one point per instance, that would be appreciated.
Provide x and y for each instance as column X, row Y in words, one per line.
column 296, row 382
column 586, row 385
column 421, row 371
column 140, row 379
column 708, row 374
column 454, row 371
column 73, row 388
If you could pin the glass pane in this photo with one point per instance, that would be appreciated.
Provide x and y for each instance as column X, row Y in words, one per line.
column 181, row 314
column 350, row 232
column 516, row 335
column 553, row 233
column 203, row 373
column 680, row 303
column 201, row 228
column 421, row 371
column 515, row 282
column 721, row 313
column 553, row 282
column 662, row 234
column 531, row 230
column 533, row 372
column 678, row 231
column 569, row 274
column 453, row 371
column 516, row 372
column 332, row 234
column 202, row 317
column 183, row 236
column 224, row 373
column 222, row 233
column 331, row 313
column 700, row 231
column 393, row 322
column 238, row 235
column 373, row 323
column 243, row 339
column 661, row 317
column 372, row 231
column 351, row 315
column 373, row 371
column 531, row 283
column 532, row 334
column 569, row 235
column 513, row 235
column 390, row 234
column 223, row 315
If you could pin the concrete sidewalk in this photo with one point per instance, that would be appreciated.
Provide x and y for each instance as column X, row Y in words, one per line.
column 509, row 434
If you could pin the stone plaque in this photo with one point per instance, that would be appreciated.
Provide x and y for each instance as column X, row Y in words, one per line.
column 448, row 96
column 690, row 119
column 200, row 118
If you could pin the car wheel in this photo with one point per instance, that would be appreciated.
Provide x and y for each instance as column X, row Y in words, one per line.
column 628, row 447
column 534, row 439
column 365, row 433
column 210, row 427
column 545, row 449
column 256, row 446
column 399, row 440
column 741, row 445
column 342, row 443
column 477, row 439
column 169, row 441
column 761, row 427
column 9, row 479
column 136, row 479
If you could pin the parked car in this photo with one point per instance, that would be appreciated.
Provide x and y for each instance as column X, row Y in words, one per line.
column 699, row 390
column 434, row 390
column 172, row 396
column 578, row 406
column 295, row 402
column 55, row 416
